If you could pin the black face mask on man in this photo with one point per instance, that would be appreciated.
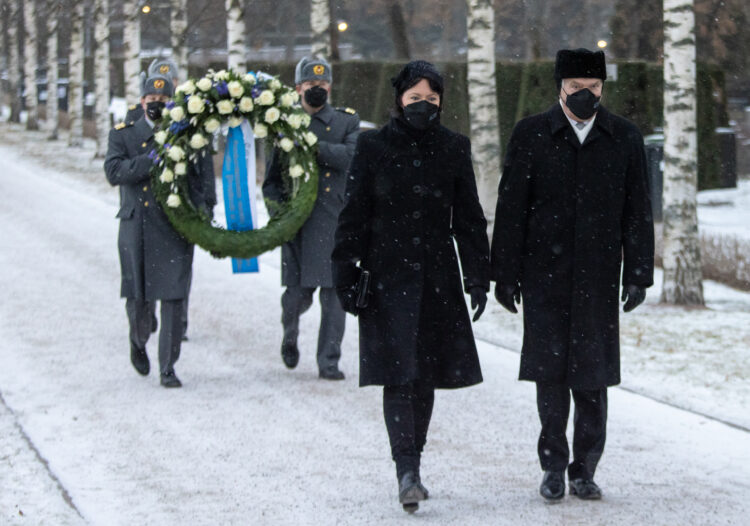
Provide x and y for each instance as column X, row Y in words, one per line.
column 316, row 96
column 421, row 115
column 154, row 109
column 583, row 103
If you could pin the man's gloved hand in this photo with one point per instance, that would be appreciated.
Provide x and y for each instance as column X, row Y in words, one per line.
column 348, row 299
column 478, row 301
column 506, row 295
column 632, row 295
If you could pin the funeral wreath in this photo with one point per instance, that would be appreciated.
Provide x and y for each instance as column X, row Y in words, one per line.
column 198, row 111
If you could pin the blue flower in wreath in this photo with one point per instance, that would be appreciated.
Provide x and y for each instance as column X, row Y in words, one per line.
column 222, row 89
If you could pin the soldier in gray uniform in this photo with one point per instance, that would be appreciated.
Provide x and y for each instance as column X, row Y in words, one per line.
column 159, row 66
column 306, row 260
column 155, row 260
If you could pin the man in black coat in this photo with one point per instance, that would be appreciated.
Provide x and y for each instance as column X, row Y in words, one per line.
column 573, row 207
column 306, row 260
column 156, row 262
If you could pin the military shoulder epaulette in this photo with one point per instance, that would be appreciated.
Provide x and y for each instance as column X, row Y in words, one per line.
column 121, row 125
column 350, row 111
column 132, row 106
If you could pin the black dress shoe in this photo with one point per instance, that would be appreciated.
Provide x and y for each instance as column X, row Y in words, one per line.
column 290, row 354
column 585, row 489
column 410, row 492
column 170, row 380
column 553, row 485
column 421, row 486
column 139, row 359
column 331, row 374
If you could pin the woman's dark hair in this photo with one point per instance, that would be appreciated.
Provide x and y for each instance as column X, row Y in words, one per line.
column 410, row 75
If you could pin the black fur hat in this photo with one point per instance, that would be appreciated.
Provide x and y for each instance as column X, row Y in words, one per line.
column 579, row 63
column 411, row 74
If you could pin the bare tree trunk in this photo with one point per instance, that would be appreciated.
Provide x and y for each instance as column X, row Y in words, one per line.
column 681, row 256
column 75, row 75
column 30, row 63
column 101, row 76
column 236, row 35
column 320, row 20
column 398, row 30
column 132, row 41
column 485, row 129
column 333, row 29
column 53, row 12
column 178, row 24
column 14, row 76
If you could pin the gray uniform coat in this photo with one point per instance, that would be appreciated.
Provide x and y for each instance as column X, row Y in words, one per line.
column 154, row 259
column 306, row 260
column 568, row 216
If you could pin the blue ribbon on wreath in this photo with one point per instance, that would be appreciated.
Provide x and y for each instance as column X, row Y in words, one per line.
column 238, row 178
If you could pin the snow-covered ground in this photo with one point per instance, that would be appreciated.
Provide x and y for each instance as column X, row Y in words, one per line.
column 85, row 440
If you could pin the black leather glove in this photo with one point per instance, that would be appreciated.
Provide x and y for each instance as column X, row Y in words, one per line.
column 478, row 301
column 632, row 295
column 508, row 295
column 348, row 299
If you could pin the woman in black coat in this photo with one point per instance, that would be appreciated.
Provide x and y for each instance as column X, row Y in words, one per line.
column 410, row 194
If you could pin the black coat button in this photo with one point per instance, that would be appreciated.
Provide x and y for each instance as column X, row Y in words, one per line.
column 417, row 163
column 416, row 214
column 416, row 189
column 416, row 241
column 416, row 266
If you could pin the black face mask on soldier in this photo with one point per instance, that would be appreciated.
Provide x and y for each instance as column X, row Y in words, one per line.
column 421, row 115
column 583, row 103
column 316, row 96
column 154, row 109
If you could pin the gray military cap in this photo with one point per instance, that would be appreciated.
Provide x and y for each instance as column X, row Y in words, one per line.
column 163, row 66
column 312, row 69
column 157, row 85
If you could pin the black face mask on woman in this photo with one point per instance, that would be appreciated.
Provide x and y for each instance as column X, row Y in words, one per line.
column 316, row 96
column 421, row 115
column 154, row 109
column 583, row 103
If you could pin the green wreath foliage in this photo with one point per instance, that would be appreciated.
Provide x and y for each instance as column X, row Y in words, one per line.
column 199, row 109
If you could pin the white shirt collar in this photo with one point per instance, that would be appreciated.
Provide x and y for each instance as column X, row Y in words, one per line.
column 582, row 133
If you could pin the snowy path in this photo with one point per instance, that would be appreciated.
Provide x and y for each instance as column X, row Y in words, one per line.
column 248, row 442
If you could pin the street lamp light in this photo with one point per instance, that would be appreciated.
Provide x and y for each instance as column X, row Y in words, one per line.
column 602, row 44
column 342, row 26
column 146, row 9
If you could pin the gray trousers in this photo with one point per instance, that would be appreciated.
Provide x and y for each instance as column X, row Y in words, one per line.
column 152, row 308
column 170, row 331
column 297, row 300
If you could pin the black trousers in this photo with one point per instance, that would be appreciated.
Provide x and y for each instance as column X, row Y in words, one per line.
column 170, row 333
column 590, row 429
column 407, row 410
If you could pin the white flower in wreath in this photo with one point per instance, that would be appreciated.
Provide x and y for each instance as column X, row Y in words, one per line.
column 177, row 113
column 198, row 141
column 274, row 84
column 180, row 168
column 287, row 99
column 187, row 87
column 286, row 144
column 260, row 131
column 225, row 107
column 296, row 170
column 305, row 120
column 167, row 176
column 235, row 89
column 265, row 98
column 234, row 121
column 160, row 137
column 176, row 153
column 272, row 115
column 295, row 120
column 204, row 84
column 211, row 125
column 196, row 105
column 173, row 201
column 222, row 74
column 250, row 79
column 311, row 138
column 246, row 104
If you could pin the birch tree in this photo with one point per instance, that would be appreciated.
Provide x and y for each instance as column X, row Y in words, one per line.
column 13, row 64
column 485, row 130
column 101, row 75
column 320, row 21
column 131, row 35
column 178, row 25
column 30, row 62
column 53, row 13
column 681, row 256
column 75, row 75
column 236, row 35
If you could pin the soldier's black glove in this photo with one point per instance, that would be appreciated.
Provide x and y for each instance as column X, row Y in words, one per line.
column 478, row 301
column 508, row 296
column 632, row 295
column 348, row 299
